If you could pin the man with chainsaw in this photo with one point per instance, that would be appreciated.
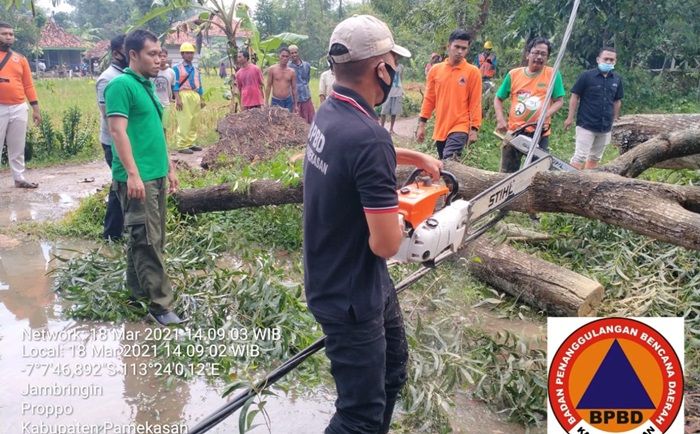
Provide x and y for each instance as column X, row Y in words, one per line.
column 188, row 92
column 527, row 89
column 453, row 92
column 351, row 225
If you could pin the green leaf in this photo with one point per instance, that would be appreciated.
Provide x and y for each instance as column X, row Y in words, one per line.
column 274, row 42
column 156, row 12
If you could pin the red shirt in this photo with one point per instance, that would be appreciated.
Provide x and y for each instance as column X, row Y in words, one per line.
column 249, row 81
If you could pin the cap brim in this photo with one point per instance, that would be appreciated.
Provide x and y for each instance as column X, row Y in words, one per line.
column 401, row 51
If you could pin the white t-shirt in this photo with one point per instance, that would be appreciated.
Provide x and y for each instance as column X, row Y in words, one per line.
column 325, row 83
column 164, row 85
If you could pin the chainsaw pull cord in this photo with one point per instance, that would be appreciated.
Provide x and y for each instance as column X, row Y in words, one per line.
column 560, row 55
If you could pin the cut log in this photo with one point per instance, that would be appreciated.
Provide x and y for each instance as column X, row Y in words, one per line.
column 536, row 282
column 632, row 130
column 661, row 211
column 225, row 197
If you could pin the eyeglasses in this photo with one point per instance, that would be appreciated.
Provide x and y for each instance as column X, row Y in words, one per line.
column 539, row 53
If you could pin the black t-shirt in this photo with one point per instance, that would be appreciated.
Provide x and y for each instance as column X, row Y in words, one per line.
column 597, row 93
column 349, row 170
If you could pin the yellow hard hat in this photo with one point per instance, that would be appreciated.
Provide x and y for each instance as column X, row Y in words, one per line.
column 186, row 47
column 488, row 45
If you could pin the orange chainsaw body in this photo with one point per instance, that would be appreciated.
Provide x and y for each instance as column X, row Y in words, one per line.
column 417, row 201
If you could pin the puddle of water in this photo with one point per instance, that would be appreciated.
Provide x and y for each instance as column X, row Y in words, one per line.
column 49, row 207
column 60, row 188
column 532, row 333
column 65, row 374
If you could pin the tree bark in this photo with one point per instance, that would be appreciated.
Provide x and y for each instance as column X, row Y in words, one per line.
column 661, row 211
column 665, row 148
column 664, row 212
column 546, row 286
column 632, row 130
column 224, row 197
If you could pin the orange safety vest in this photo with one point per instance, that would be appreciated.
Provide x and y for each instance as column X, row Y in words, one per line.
column 487, row 69
column 527, row 93
column 185, row 83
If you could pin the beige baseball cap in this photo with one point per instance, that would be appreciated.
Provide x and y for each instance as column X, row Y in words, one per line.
column 364, row 36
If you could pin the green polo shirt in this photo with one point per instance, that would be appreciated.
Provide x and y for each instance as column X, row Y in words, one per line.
column 131, row 95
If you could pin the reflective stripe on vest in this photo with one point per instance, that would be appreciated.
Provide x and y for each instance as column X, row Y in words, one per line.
column 182, row 73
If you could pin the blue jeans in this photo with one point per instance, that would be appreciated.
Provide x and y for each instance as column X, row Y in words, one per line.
column 114, row 219
column 287, row 103
column 368, row 364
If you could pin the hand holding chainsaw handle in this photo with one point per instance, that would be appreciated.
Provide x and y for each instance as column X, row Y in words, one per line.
column 429, row 164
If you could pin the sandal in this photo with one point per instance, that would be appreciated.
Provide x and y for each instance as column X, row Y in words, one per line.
column 25, row 184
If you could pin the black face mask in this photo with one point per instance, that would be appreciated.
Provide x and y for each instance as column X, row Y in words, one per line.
column 120, row 61
column 5, row 46
column 386, row 87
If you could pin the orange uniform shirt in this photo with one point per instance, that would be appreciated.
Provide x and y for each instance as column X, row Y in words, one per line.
column 454, row 93
column 527, row 92
column 16, row 84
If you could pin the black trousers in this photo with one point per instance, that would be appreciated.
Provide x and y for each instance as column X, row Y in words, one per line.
column 368, row 364
column 511, row 157
column 452, row 146
column 114, row 219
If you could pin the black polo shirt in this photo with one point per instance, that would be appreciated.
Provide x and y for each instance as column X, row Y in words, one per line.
column 597, row 93
column 348, row 171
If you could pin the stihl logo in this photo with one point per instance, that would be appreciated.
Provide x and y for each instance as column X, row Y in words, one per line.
column 501, row 195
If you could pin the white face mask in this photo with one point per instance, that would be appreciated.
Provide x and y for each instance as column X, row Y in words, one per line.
column 605, row 67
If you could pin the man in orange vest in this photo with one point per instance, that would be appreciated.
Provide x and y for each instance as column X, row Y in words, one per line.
column 487, row 62
column 16, row 88
column 527, row 88
column 188, row 92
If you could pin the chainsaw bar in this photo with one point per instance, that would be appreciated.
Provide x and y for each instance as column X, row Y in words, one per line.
column 505, row 191
column 523, row 144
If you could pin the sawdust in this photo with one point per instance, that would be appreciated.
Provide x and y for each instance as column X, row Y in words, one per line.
column 255, row 135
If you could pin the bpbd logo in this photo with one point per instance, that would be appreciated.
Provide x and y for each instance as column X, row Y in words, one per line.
column 615, row 375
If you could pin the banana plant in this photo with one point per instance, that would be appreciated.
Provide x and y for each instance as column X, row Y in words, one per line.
column 268, row 48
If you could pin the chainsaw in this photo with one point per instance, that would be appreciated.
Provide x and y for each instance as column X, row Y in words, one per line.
column 523, row 143
column 429, row 233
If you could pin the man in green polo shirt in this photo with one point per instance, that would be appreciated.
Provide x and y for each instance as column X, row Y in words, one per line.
column 140, row 167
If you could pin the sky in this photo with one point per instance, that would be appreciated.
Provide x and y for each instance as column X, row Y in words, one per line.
column 65, row 7
column 46, row 5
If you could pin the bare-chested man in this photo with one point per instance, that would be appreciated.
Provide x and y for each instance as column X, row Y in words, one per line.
column 282, row 80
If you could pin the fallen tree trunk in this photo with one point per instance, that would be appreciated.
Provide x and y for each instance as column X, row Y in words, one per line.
column 546, row 286
column 225, row 197
column 663, row 148
column 661, row 211
column 631, row 130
